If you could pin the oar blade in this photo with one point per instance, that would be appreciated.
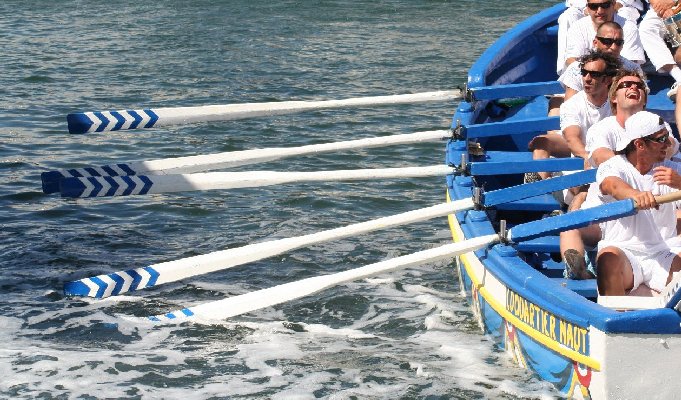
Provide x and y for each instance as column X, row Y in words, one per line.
column 252, row 301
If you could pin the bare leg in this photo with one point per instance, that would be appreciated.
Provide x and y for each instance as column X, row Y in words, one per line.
column 545, row 146
column 615, row 275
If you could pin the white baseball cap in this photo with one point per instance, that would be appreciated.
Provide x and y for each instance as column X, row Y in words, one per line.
column 641, row 124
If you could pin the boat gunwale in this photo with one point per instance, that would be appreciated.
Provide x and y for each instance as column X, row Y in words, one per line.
column 653, row 321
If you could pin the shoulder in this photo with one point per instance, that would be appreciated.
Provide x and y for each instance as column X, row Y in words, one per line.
column 615, row 166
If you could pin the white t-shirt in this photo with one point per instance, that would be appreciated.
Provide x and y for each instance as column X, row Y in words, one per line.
column 647, row 230
column 606, row 132
column 579, row 111
column 581, row 35
column 603, row 133
column 572, row 76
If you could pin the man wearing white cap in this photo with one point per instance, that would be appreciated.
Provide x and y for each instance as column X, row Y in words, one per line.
column 634, row 250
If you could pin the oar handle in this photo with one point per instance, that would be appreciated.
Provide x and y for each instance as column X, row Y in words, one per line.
column 668, row 198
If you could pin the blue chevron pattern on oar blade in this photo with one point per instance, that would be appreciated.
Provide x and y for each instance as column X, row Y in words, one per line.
column 102, row 121
column 112, row 284
column 51, row 179
column 105, row 186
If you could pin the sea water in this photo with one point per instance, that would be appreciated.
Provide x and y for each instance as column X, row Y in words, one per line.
column 408, row 334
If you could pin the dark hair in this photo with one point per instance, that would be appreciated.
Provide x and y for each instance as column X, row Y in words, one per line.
column 612, row 63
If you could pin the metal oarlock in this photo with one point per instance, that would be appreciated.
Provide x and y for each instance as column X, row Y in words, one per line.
column 477, row 197
column 503, row 232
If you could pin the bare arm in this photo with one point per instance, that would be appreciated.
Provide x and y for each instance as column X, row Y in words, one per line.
column 620, row 190
column 569, row 92
column 573, row 136
column 661, row 6
column 601, row 155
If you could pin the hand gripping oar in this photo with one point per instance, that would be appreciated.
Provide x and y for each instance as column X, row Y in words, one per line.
column 252, row 301
column 134, row 279
column 103, row 121
column 107, row 186
column 206, row 162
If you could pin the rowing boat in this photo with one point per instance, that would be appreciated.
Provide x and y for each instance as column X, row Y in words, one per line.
column 559, row 329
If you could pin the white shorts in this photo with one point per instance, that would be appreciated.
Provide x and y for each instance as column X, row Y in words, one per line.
column 651, row 269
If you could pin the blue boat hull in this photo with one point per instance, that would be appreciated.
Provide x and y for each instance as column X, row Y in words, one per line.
column 549, row 325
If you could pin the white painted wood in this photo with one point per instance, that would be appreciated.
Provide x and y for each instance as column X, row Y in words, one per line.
column 630, row 302
column 252, row 301
column 206, row 162
column 187, row 115
column 172, row 271
column 233, row 180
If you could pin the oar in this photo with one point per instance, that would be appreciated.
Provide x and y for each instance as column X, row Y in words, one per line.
column 107, row 186
column 252, row 301
column 206, row 162
column 153, row 275
column 102, row 121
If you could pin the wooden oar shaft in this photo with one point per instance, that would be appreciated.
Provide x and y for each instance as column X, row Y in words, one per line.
column 103, row 121
column 669, row 197
column 252, row 301
column 206, row 162
column 121, row 282
column 154, row 184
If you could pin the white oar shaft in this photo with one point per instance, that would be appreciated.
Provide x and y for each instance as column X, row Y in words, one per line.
column 252, row 301
column 207, row 162
column 171, row 271
column 154, row 184
column 199, row 163
column 147, row 118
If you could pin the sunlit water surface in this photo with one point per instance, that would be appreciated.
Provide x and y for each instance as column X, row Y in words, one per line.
column 407, row 334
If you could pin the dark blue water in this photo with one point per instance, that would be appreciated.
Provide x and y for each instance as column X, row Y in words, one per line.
column 404, row 335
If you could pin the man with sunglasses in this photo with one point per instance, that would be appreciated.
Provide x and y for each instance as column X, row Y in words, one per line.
column 636, row 250
column 582, row 33
column 609, row 39
column 579, row 112
column 652, row 32
column 629, row 9
column 627, row 96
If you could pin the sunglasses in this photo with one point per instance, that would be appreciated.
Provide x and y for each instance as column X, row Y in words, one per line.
column 594, row 74
column 659, row 139
column 595, row 6
column 609, row 42
column 628, row 84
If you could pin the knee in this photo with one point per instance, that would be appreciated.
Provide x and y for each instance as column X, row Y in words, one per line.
column 609, row 261
column 540, row 142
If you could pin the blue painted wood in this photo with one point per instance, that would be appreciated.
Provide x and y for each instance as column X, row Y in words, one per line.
column 544, row 203
column 506, row 167
column 544, row 186
column 516, row 90
column 543, row 244
column 587, row 288
column 572, row 220
column 493, row 129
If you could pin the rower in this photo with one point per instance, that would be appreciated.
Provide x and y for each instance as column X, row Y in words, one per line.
column 581, row 34
column 578, row 113
column 652, row 32
column 575, row 10
column 628, row 95
column 609, row 39
column 634, row 250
